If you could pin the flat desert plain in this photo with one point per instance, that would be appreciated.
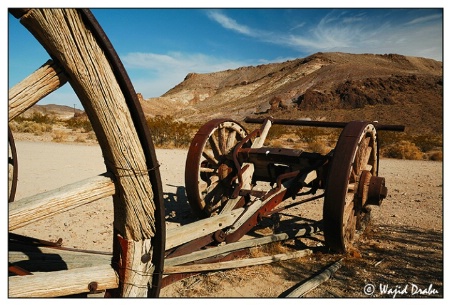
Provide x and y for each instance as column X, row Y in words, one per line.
column 400, row 254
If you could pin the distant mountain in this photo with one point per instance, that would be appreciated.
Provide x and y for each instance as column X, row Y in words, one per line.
column 60, row 111
column 390, row 88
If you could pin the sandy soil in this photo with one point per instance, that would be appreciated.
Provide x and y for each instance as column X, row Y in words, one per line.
column 401, row 251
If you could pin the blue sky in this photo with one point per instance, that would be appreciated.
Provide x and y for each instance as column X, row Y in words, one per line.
column 160, row 46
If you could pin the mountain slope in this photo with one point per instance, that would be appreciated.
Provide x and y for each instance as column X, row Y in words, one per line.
column 389, row 88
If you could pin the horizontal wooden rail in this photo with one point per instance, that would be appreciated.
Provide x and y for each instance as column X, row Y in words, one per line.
column 28, row 210
column 237, row 263
column 186, row 233
column 48, row 259
column 201, row 254
column 62, row 283
column 36, row 86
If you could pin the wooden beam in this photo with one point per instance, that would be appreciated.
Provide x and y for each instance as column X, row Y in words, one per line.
column 31, row 209
column 201, row 254
column 53, row 259
column 36, row 86
column 62, row 283
column 236, row 263
column 186, row 233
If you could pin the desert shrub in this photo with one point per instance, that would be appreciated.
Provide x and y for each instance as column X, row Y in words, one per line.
column 91, row 136
column 402, row 150
column 80, row 122
column 30, row 127
column 435, row 156
column 276, row 132
column 309, row 134
column 427, row 142
column 37, row 123
column 167, row 132
column 80, row 139
column 318, row 147
column 37, row 117
column 387, row 138
column 59, row 136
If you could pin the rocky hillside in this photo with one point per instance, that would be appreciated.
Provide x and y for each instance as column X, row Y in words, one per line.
column 389, row 88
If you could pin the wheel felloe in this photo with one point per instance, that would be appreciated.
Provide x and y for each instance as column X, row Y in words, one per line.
column 210, row 173
column 352, row 184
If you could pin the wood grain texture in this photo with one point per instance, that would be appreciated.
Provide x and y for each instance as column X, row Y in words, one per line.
column 236, row 263
column 66, row 37
column 48, row 78
column 31, row 209
column 61, row 283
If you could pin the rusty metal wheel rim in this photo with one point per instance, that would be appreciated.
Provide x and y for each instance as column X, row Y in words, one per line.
column 355, row 152
column 210, row 172
column 13, row 169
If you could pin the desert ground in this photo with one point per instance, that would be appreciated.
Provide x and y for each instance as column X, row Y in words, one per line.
column 400, row 254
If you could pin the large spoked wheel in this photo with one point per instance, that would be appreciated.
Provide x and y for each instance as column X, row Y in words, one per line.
column 210, row 175
column 82, row 55
column 355, row 160
column 12, row 167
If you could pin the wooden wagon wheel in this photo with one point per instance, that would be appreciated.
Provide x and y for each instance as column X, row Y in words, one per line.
column 13, row 167
column 355, row 161
column 82, row 55
column 210, row 172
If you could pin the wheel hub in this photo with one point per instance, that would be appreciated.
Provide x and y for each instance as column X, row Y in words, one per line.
column 371, row 189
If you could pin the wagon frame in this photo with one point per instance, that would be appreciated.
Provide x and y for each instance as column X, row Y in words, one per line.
column 224, row 164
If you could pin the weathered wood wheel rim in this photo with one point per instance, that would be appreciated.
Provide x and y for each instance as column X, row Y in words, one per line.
column 132, row 109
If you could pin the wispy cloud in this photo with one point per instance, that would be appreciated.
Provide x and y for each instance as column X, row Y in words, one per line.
column 341, row 30
column 153, row 74
column 230, row 23
column 419, row 20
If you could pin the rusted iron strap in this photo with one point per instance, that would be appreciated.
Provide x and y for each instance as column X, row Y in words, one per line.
column 18, row 270
column 322, row 124
column 192, row 246
column 293, row 205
